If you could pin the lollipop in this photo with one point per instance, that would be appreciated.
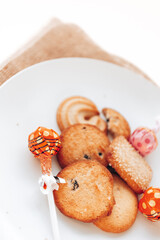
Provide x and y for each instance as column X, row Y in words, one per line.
column 44, row 143
column 149, row 204
column 144, row 140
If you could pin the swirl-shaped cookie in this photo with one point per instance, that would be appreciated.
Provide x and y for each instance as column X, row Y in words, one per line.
column 79, row 110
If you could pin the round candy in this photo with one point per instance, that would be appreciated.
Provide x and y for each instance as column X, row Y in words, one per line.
column 149, row 204
column 144, row 140
column 44, row 141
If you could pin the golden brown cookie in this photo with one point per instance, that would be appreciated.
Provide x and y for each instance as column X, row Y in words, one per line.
column 129, row 164
column 116, row 123
column 79, row 110
column 82, row 142
column 87, row 193
column 124, row 211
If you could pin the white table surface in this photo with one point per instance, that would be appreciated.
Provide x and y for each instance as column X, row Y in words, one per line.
column 128, row 28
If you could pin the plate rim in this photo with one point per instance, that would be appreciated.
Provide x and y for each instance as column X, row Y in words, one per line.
column 74, row 58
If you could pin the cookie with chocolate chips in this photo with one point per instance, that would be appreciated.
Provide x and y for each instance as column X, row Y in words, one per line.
column 87, row 193
column 117, row 125
column 82, row 142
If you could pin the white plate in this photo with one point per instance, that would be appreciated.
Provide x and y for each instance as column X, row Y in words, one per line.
column 30, row 99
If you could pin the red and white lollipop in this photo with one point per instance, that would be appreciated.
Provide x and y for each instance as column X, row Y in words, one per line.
column 144, row 140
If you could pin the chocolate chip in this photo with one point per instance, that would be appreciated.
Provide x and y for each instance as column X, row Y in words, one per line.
column 75, row 184
column 112, row 170
column 84, row 128
column 86, row 156
column 107, row 120
column 100, row 154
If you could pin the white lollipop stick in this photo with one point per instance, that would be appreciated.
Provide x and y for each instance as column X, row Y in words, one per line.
column 51, row 184
column 53, row 215
column 156, row 129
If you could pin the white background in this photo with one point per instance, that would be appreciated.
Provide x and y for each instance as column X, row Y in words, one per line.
column 128, row 28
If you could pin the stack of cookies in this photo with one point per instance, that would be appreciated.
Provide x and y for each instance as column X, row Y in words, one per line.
column 90, row 146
